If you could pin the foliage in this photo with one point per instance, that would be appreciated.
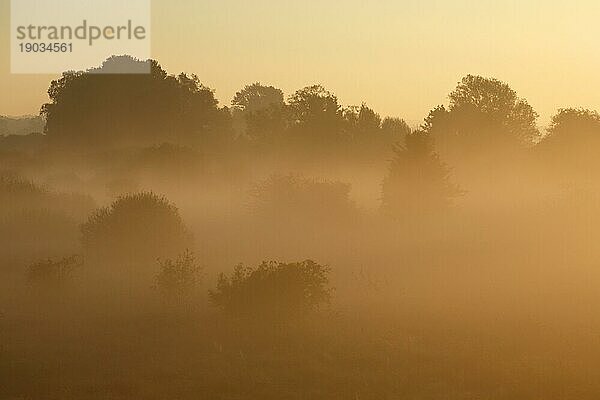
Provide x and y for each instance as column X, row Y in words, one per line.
column 96, row 109
column 138, row 226
column 53, row 274
column 257, row 97
column 485, row 109
column 177, row 278
column 395, row 128
column 573, row 138
column 17, row 192
column 316, row 113
column 418, row 181
column 262, row 109
column 574, row 121
column 285, row 197
column 273, row 289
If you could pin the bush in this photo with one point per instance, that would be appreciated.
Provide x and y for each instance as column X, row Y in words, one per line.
column 273, row 289
column 293, row 198
column 53, row 275
column 136, row 228
column 177, row 278
column 18, row 194
column 35, row 221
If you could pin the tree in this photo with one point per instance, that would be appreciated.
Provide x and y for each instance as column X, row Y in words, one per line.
column 573, row 132
column 89, row 108
column 262, row 110
column 257, row 97
column 395, row 129
column 574, row 122
column 178, row 277
column 417, row 182
column 484, row 111
column 136, row 228
column 273, row 290
column 369, row 122
column 315, row 111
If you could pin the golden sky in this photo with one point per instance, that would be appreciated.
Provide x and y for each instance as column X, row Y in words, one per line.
column 400, row 57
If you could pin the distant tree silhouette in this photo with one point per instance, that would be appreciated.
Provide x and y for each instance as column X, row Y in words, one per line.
column 315, row 113
column 262, row 110
column 483, row 113
column 136, row 228
column 273, row 290
column 369, row 122
column 417, row 182
column 362, row 123
column 99, row 109
column 178, row 277
column 395, row 129
column 368, row 133
column 257, row 97
column 573, row 134
column 571, row 123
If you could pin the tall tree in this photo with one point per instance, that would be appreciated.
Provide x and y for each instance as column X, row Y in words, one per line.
column 102, row 109
column 418, row 182
column 395, row 129
column 315, row 112
column 484, row 112
column 261, row 109
column 573, row 134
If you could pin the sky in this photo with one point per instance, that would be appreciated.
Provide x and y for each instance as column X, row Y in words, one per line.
column 402, row 58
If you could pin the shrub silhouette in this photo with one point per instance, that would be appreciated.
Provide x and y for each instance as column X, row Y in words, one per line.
column 53, row 275
column 35, row 221
column 18, row 194
column 178, row 277
column 292, row 198
column 135, row 228
column 273, row 289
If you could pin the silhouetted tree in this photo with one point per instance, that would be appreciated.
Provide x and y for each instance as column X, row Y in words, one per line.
column 484, row 113
column 362, row 124
column 273, row 290
column 369, row 122
column 262, row 109
column 571, row 124
column 395, row 129
column 94, row 108
column 574, row 135
column 178, row 278
column 257, row 97
column 417, row 183
column 315, row 113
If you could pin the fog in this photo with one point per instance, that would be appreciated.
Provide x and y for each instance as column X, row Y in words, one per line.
column 163, row 246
